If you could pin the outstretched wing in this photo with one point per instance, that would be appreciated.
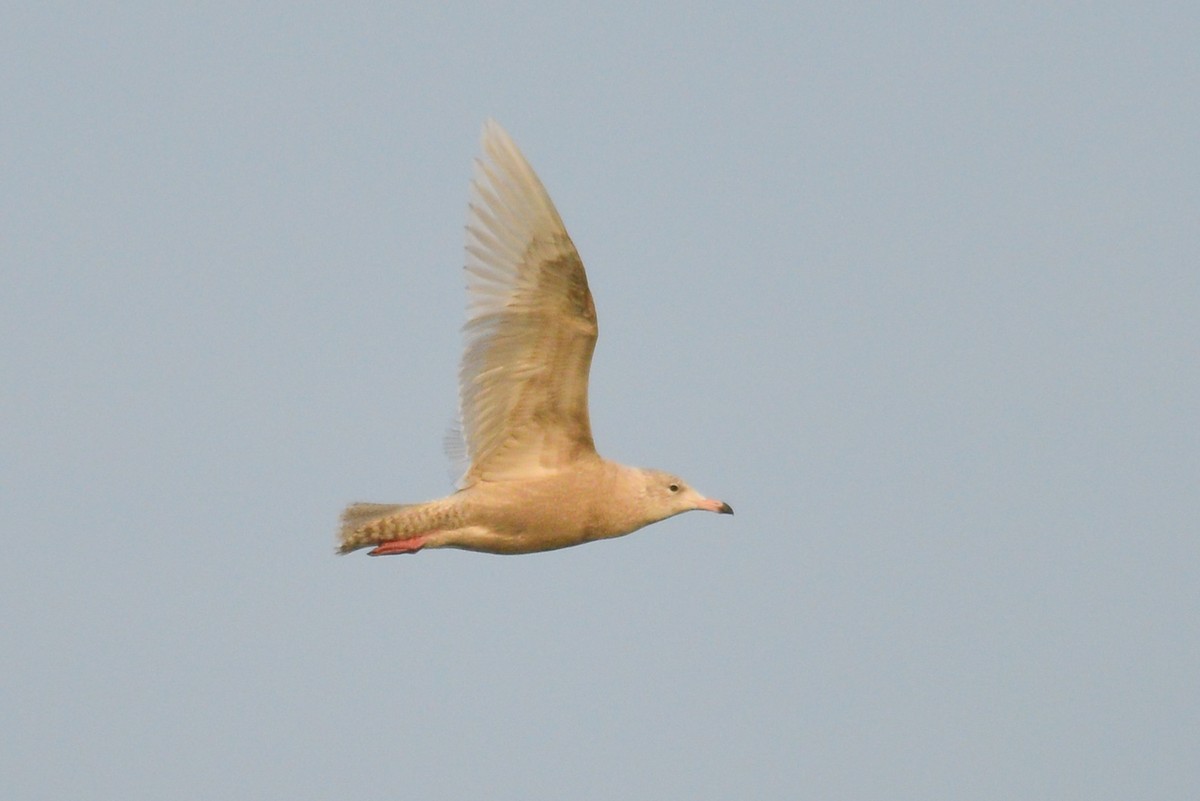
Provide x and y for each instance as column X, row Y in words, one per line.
column 531, row 326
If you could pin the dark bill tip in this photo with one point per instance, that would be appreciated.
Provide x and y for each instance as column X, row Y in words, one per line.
column 725, row 509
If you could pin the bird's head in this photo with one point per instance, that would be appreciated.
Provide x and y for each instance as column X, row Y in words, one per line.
column 667, row 495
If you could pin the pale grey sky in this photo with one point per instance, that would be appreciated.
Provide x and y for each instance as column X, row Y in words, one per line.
column 915, row 290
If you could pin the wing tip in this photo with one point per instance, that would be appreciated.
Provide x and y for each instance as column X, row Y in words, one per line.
column 508, row 200
column 494, row 133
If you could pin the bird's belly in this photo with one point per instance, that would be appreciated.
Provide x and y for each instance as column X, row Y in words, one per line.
column 539, row 516
column 486, row 540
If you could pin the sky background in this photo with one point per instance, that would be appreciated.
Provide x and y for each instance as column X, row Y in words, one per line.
column 916, row 290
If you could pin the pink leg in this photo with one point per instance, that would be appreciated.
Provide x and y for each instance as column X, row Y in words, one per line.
column 398, row 546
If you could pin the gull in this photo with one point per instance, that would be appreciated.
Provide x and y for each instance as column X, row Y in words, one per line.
column 535, row 481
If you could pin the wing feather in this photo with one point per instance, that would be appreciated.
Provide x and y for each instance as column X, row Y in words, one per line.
column 531, row 326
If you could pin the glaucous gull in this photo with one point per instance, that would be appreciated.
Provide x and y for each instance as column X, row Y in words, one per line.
column 535, row 481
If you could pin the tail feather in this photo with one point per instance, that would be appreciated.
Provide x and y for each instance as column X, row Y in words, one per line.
column 358, row 524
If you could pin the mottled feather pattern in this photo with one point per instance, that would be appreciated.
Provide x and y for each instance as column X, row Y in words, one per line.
column 531, row 326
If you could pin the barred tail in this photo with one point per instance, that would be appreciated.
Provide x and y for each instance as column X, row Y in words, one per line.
column 366, row 524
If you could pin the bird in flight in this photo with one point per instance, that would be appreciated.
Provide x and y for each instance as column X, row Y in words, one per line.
column 535, row 481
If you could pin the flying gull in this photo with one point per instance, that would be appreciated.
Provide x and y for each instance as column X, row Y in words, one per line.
column 535, row 481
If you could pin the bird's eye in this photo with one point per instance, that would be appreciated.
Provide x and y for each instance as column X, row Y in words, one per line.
column 673, row 488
